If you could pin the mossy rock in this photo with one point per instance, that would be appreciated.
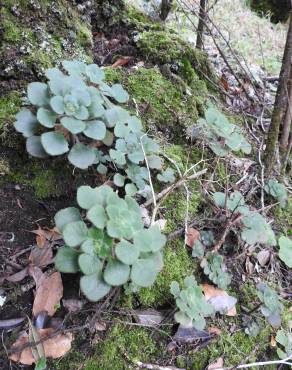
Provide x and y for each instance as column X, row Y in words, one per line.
column 277, row 9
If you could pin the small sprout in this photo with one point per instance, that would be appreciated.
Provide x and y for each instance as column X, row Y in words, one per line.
column 111, row 246
column 191, row 303
column 222, row 136
column 214, row 268
column 271, row 307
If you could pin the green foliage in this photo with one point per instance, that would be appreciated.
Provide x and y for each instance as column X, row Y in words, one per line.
column 214, row 268
column 222, row 136
column 112, row 246
column 78, row 108
column 285, row 252
column 271, row 307
column 191, row 303
column 254, row 228
column 278, row 191
column 284, row 338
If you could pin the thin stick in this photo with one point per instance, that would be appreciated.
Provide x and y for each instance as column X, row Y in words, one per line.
column 149, row 174
column 264, row 363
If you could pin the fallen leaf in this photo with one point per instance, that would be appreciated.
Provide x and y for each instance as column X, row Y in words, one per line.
column 188, row 335
column 44, row 235
column 121, row 62
column 73, row 305
column 150, row 318
column 18, row 276
column 41, row 257
column 192, row 236
column 36, row 273
column 263, row 257
column 48, row 294
column 220, row 300
column 273, row 342
column 218, row 364
column 214, row 330
column 54, row 347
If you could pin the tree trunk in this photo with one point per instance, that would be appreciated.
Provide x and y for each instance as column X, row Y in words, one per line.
column 280, row 106
column 165, row 8
column 201, row 24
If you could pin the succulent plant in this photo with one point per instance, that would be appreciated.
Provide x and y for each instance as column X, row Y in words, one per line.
column 222, row 136
column 215, row 269
column 278, row 191
column 285, row 252
column 271, row 306
column 110, row 245
column 75, row 113
column 235, row 202
column 284, row 338
column 191, row 303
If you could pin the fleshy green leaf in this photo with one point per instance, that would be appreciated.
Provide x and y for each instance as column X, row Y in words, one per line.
column 126, row 252
column 26, row 123
column 57, row 104
column 143, row 273
column 82, row 156
column 93, row 287
column 73, row 125
column 116, row 273
column 87, row 196
column 65, row 216
column 89, row 264
column 95, row 130
column 119, row 180
column 285, row 252
column 97, row 216
column 35, row 148
column 46, row 117
column 150, row 240
column 38, row 94
column 66, row 260
column 54, row 143
column 75, row 233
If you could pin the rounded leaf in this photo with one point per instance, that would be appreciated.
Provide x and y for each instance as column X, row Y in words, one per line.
column 57, row 104
column 116, row 273
column 46, row 117
column 89, row 264
column 38, row 94
column 143, row 272
column 285, row 252
column 35, row 148
column 54, row 143
column 82, row 156
column 26, row 123
column 150, row 240
column 97, row 216
column 65, row 216
column 75, row 233
column 66, row 260
column 93, row 287
column 95, row 130
column 73, row 125
column 119, row 93
column 127, row 252
column 87, row 196
column 119, row 180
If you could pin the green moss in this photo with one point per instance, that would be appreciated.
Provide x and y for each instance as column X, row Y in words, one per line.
column 114, row 75
column 12, row 33
column 234, row 348
column 284, row 217
column 162, row 103
column 9, row 105
column 139, row 20
column 177, row 265
column 84, row 36
column 122, row 347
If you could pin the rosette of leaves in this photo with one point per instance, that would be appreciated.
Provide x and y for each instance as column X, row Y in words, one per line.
column 191, row 303
column 278, row 191
column 284, row 338
column 222, row 136
column 75, row 113
column 254, row 228
column 214, row 268
column 107, row 242
column 271, row 306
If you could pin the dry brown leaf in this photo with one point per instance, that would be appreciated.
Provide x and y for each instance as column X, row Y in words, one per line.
column 192, row 236
column 18, row 276
column 54, row 347
column 211, row 292
column 214, row 330
column 273, row 342
column 73, row 305
column 121, row 62
column 48, row 294
column 218, row 364
column 263, row 257
column 41, row 257
column 36, row 273
column 100, row 326
column 44, row 235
